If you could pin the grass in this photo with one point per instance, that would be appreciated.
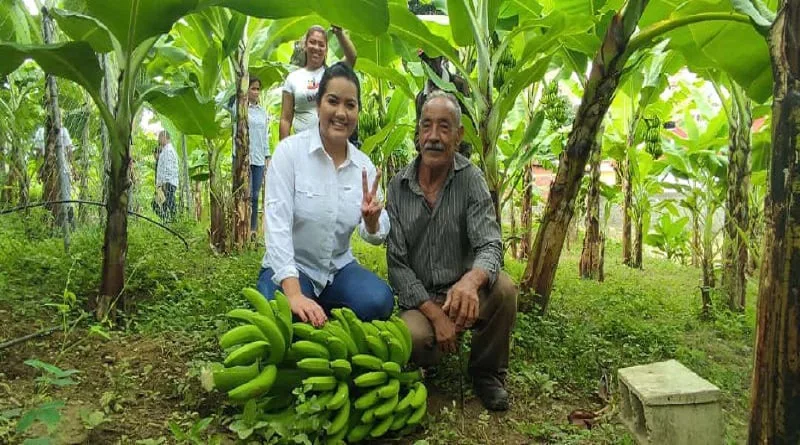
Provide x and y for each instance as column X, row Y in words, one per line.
column 178, row 297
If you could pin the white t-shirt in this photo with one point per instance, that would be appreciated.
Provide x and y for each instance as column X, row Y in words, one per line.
column 303, row 85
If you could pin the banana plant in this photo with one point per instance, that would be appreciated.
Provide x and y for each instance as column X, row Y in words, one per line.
column 670, row 236
column 700, row 168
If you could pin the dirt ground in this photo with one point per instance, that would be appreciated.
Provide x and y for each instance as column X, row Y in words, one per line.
column 138, row 385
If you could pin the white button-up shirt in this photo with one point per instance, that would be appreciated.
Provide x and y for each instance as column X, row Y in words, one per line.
column 312, row 209
column 258, row 128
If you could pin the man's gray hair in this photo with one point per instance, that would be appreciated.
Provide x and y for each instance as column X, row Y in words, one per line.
column 448, row 97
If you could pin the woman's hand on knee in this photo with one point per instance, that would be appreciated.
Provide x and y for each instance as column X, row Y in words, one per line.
column 307, row 309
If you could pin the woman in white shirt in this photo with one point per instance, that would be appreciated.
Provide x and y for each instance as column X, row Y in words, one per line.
column 299, row 105
column 317, row 194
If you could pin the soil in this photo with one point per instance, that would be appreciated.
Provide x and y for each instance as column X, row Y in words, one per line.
column 140, row 384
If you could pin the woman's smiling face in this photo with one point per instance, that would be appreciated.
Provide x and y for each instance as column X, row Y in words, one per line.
column 338, row 110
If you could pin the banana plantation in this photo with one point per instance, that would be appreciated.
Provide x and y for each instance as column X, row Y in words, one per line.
column 639, row 159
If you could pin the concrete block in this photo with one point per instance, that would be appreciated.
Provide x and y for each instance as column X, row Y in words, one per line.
column 665, row 403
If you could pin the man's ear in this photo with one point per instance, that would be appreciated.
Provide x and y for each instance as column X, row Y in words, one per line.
column 460, row 135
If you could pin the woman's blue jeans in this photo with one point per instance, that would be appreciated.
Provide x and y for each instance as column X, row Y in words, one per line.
column 353, row 286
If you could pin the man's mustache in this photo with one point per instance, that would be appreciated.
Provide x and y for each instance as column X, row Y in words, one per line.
column 435, row 146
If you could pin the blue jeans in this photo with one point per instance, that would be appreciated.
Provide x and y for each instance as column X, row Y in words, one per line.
column 256, row 181
column 353, row 286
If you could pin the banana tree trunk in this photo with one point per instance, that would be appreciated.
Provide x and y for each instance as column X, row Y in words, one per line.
column 589, row 266
column 186, row 194
column 115, row 244
column 695, row 239
column 514, row 244
column 638, row 240
column 526, row 220
column 624, row 179
column 775, row 390
column 58, row 186
column 83, row 194
column 107, row 92
column 217, row 201
column 241, row 168
column 8, row 179
column 600, row 88
column 736, row 221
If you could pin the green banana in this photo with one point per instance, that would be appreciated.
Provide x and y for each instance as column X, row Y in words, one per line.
column 341, row 368
column 335, row 328
column 305, row 348
column 387, row 407
column 416, row 416
column 320, row 336
column 367, row 399
column 284, row 308
column 381, row 427
column 405, row 402
column 368, row 416
column 420, row 395
column 337, row 347
column 274, row 336
column 241, row 334
column 303, row 330
column 400, row 421
column 342, row 416
column 358, row 432
column 226, row 379
column 410, row 376
column 370, row 329
column 259, row 302
column 406, row 335
column 341, row 395
column 315, row 366
column 377, row 347
column 321, row 383
column 288, row 379
column 338, row 315
column 248, row 354
column 256, row 387
column 391, row 389
column 367, row 361
column 314, row 404
column 393, row 369
column 356, row 330
column 373, row 378
column 396, row 352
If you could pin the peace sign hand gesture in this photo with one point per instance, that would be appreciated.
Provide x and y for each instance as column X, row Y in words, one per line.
column 370, row 204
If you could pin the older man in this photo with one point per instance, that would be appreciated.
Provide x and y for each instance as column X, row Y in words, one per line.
column 444, row 254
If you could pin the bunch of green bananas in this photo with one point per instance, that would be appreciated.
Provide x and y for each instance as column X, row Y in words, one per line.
column 556, row 106
column 505, row 65
column 350, row 373
column 368, row 124
column 653, row 137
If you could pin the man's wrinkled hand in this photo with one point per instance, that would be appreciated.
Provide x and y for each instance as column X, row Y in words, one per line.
column 462, row 304
column 446, row 335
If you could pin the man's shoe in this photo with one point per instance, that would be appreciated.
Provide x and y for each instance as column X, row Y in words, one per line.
column 491, row 392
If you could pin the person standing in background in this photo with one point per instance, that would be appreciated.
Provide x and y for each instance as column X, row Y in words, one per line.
column 299, row 105
column 258, row 128
column 167, row 175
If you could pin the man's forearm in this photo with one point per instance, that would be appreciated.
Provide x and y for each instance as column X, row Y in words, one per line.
column 432, row 311
column 477, row 277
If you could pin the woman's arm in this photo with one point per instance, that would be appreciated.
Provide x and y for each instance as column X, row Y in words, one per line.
column 347, row 46
column 287, row 115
